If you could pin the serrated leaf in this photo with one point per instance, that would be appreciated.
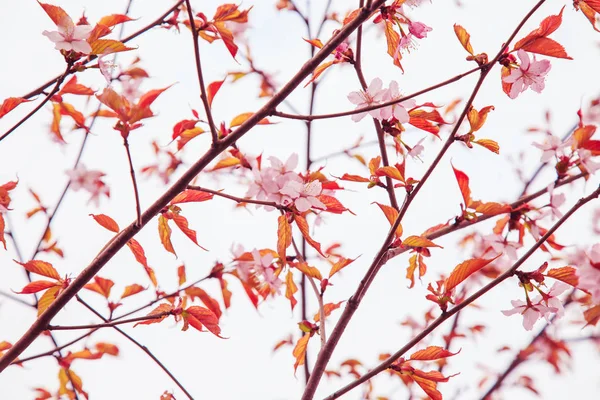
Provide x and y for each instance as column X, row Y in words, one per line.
column 565, row 274
column 465, row 269
column 339, row 265
column 391, row 214
column 303, row 226
column 10, row 103
column 284, row 236
column 431, row 353
column 419, row 241
column 41, row 268
column 106, row 222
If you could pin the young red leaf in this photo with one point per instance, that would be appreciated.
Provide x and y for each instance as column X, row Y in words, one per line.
column 106, row 222
column 419, row 241
column 37, row 286
column 47, row 298
column 140, row 256
column 391, row 214
column 130, row 290
column 465, row 269
column 303, row 226
column 538, row 42
column 328, row 309
column 240, row 119
column 200, row 316
column 189, row 196
column 73, row 87
column 209, row 302
column 431, row 353
column 332, row 204
column 565, row 274
column 284, row 236
column 9, row 104
column 354, row 178
column 164, row 232
column 299, row 351
column 592, row 315
column 212, row 89
column 101, row 286
column 489, row 144
column 463, row 184
column 464, row 38
column 341, row 263
column 105, row 46
column 41, row 268
column 290, row 289
column 57, row 14
column 307, row 270
column 161, row 312
column 478, row 118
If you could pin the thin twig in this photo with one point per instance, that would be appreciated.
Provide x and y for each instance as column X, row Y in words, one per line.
column 239, row 200
column 109, row 323
column 57, row 349
column 203, row 96
column 138, row 207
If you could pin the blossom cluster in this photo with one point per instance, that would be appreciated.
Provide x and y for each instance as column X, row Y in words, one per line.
column 375, row 95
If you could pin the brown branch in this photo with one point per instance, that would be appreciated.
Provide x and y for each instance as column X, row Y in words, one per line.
column 239, row 200
column 121, row 239
column 129, row 38
column 108, row 324
column 203, row 96
column 381, row 105
column 54, row 90
column 141, row 346
column 446, row 315
column 138, row 208
column 380, row 258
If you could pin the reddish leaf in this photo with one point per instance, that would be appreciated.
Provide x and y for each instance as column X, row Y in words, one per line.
column 189, row 195
column 464, row 38
column 431, row 353
column 41, row 268
column 57, row 14
column 340, row 264
column 182, row 223
column 47, row 298
column 37, row 286
column 463, row 184
column 9, row 104
column 299, row 351
column 284, row 236
column 162, row 312
column 465, row 269
column 140, row 256
column 307, row 270
column 114, row 19
column 211, row 303
column 419, row 241
column 538, row 42
column 101, row 286
column 592, row 315
column 290, row 288
column 391, row 214
column 428, row 386
column 354, row 178
column 130, row 290
column 106, row 46
column 547, row 47
column 328, row 309
column 73, row 87
column 478, row 118
column 106, row 222
column 489, row 144
column 332, row 204
column 565, row 274
column 200, row 316
column 212, row 89
column 164, row 232
column 390, row 172
column 303, row 226
column 492, row 208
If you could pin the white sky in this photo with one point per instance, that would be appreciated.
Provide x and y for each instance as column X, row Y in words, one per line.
column 243, row 366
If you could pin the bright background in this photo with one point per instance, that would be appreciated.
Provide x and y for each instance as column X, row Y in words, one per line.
column 244, row 366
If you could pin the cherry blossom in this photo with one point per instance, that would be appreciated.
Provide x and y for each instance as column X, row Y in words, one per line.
column 399, row 110
column 71, row 37
column 585, row 158
column 531, row 73
column 304, row 195
column 553, row 146
column 263, row 266
column 531, row 313
column 551, row 299
column 269, row 181
column 419, row 29
column 90, row 181
column 556, row 200
column 417, row 149
column 589, row 274
column 372, row 96
column 501, row 245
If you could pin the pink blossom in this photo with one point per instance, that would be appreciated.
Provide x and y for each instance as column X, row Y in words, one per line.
column 90, row 181
column 556, row 200
column 340, row 50
column 399, row 110
column 304, row 195
column 106, row 66
column 585, row 158
column 417, row 149
column 551, row 299
column 263, row 267
column 553, row 146
column 419, row 29
column 372, row 96
column 71, row 37
column 531, row 73
column 589, row 274
column 529, row 312
column 501, row 245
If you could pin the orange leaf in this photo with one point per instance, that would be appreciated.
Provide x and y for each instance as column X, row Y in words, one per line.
column 477, row 118
column 565, row 274
column 290, row 288
column 240, row 119
column 200, row 316
column 140, row 256
column 590, row 10
column 463, row 184
column 303, row 226
column 73, row 87
column 41, row 268
column 332, row 204
column 391, row 214
column 547, row 47
column 592, row 315
column 315, row 42
column 182, row 223
column 328, row 309
column 57, row 14
column 211, row 303
column 410, row 271
column 162, row 310
column 106, row 222
column 464, row 38
column 393, row 41
column 37, row 286
column 164, row 232
column 47, row 298
column 354, row 178
column 431, row 353
column 212, row 89
column 319, row 70
column 181, row 274
column 390, row 172
column 307, row 270
column 189, row 195
column 428, row 386
column 2, row 239
column 341, row 263
column 130, row 290
column 284, row 236
column 465, row 269
column 114, row 19
column 538, row 42
column 101, row 286
column 299, row 351
column 9, row 104
column 105, row 46
column 148, row 98
column 489, row 144
column 492, row 208
column 226, row 163
column 419, row 241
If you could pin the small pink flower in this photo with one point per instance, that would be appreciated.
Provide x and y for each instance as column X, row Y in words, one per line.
column 585, row 158
column 556, row 200
column 106, row 66
column 90, row 181
column 531, row 73
column 398, row 110
column 553, row 146
column 419, row 29
column 304, row 195
column 589, row 274
column 71, row 37
column 340, row 50
column 417, row 149
column 372, row 96
column 529, row 312
column 551, row 299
